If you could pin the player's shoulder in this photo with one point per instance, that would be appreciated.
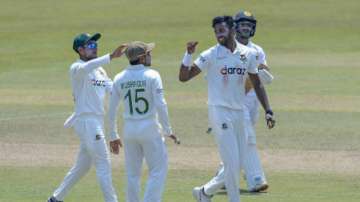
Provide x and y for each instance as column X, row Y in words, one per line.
column 120, row 76
column 151, row 73
column 245, row 50
column 75, row 64
column 74, row 67
column 257, row 47
column 210, row 51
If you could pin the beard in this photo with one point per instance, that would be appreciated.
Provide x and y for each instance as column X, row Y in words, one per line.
column 223, row 40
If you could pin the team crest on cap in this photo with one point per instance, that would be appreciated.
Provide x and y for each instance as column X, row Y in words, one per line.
column 247, row 13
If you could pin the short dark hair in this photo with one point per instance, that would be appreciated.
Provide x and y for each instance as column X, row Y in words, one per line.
column 135, row 62
column 226, row 18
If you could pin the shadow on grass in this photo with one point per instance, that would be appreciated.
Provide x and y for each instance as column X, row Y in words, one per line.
column 242, row 192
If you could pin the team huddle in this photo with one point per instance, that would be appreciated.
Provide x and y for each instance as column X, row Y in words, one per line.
column 236, row 70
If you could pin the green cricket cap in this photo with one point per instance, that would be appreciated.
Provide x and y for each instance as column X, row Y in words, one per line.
column 82, row 39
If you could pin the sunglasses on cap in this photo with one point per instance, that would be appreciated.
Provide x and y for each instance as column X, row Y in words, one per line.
column 91, row 45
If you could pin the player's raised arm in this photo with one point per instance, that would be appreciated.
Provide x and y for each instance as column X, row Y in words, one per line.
column 93, row 63
column 187, row 69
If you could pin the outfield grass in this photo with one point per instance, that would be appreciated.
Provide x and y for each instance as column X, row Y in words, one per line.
column 285, row 186
column 312, row 48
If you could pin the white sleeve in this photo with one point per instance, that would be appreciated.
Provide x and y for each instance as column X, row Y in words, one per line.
column 87, row 67
column 262, row 57
column 161, row 106
column 204, row 60
column 253, row 62
column 113, row 108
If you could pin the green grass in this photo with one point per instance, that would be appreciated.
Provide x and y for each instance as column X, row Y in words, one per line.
column 312, row 48
column 22, row 186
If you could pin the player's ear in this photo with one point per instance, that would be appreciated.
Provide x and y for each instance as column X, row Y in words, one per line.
column 80, row 50
column 142, row 59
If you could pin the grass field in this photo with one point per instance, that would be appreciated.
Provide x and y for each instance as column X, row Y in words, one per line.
column 313, row 154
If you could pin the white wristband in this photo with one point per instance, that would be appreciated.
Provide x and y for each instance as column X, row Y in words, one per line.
column 187, row 59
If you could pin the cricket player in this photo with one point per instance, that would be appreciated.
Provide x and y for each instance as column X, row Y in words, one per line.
column 145, row 118
column 89, row 86
column 227, row 64
column 245, row 25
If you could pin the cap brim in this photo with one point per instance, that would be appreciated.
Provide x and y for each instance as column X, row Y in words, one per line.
column 94, row 37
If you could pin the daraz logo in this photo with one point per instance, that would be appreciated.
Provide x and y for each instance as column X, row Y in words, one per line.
column 98, row 82
column 232, row 70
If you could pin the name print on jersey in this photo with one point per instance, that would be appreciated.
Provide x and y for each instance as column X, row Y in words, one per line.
column 133, row 84
column 232, row 70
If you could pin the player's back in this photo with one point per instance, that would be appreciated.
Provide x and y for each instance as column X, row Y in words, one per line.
column 135, row 86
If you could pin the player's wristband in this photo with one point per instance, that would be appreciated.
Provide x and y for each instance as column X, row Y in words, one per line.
column 269, row 114
column 269, row 111
column 187, row 59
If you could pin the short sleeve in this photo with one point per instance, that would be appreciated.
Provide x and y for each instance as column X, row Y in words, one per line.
column 262, row 57
column 253, row 62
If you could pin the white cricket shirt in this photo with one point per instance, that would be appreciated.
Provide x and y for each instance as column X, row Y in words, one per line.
column 141, row 90
column 261, row 56
column 89, row 86
column 226, row 73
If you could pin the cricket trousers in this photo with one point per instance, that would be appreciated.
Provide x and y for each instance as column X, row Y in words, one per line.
column 251, row 162
column 142, row 140
column 93, row 150
column 230, row 136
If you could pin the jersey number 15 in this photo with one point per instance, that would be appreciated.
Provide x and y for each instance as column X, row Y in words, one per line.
column 138, row 98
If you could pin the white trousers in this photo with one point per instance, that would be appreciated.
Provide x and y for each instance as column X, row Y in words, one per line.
column 252, row 165
column 250, row 161
column 93, row 150
column 230, row 136
column 142, row 139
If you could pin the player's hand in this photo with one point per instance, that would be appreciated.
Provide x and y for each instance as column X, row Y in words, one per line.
column 119, row 51
column 115, row 146
column 270, row 120
column 174, row 138
column 190, row 46
column 263, row 66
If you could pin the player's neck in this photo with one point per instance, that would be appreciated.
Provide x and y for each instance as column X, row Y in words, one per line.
column 85, row 59
column 231, row 45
